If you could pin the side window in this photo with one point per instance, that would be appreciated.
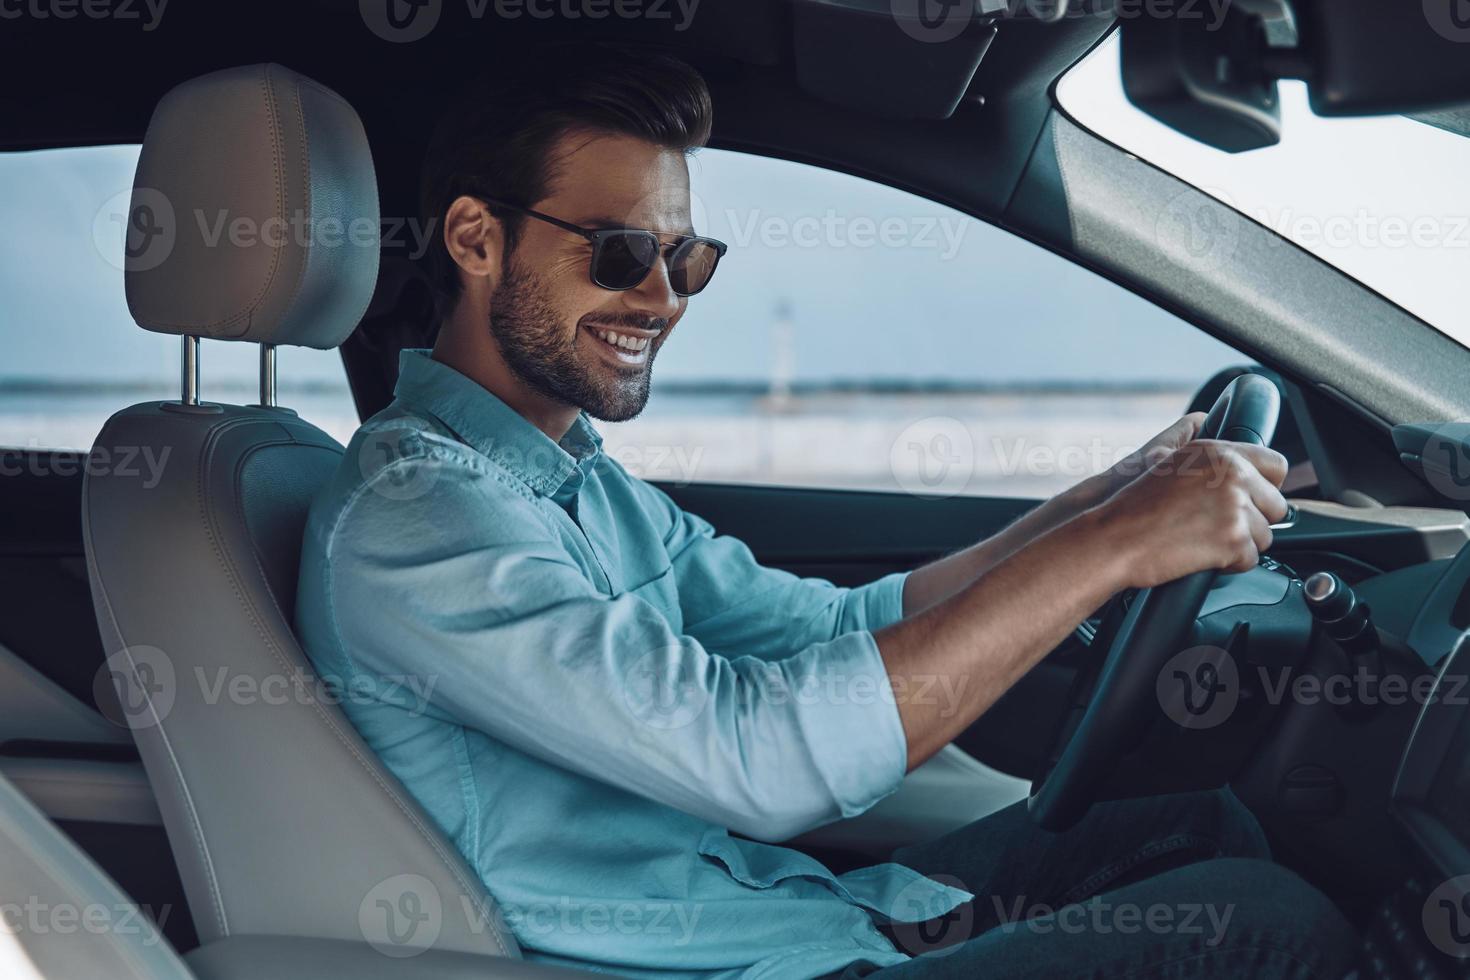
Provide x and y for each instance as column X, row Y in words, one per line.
column 72, row 355
column 860, row 337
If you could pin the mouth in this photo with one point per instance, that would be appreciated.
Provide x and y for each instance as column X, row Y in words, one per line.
column 630, row 347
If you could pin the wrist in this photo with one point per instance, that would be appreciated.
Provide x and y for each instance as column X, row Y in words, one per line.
column 1108, row 545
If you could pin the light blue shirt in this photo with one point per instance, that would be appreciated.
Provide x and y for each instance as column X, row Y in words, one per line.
column 587, row 688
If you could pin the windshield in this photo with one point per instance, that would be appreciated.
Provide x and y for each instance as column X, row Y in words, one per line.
column 1382, row 198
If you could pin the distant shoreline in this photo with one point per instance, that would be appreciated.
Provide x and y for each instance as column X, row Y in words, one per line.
column 677, row 386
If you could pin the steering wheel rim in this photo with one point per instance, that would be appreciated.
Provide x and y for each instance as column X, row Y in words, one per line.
column 1120, row 709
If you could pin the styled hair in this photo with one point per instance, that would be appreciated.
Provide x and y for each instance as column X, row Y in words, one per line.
column 498, row 139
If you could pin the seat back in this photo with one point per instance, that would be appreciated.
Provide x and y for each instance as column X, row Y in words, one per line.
column 281, row 819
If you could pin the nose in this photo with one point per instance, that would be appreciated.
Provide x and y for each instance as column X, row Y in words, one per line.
column 655, row 294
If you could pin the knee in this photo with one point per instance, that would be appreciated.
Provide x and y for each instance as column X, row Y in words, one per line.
column 1261, row 905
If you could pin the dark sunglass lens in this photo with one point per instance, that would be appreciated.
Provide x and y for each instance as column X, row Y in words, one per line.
column 692, row 266
column 625, row 259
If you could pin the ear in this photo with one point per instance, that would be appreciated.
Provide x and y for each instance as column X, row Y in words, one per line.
column 475, row 239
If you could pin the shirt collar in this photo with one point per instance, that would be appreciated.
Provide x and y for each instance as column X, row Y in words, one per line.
column 491, row 427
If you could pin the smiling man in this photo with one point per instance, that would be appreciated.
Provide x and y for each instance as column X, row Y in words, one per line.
column 615, row 687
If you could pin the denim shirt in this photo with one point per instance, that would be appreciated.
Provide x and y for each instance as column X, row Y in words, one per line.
column 588, row 689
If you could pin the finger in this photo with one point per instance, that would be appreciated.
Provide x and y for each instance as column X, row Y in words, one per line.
column 1267, row 461
column 1247, row 558
column 1178, row 433
column 1260, row 531
column 1181, row 433
column 1267, row 497
column 1191, row 424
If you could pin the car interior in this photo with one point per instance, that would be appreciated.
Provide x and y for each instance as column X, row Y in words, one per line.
column 254, row 839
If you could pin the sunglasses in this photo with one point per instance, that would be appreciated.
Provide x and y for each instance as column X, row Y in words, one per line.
column 623, row 257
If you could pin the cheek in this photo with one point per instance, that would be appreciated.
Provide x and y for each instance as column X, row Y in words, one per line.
column 570, row 292
column 568, row 270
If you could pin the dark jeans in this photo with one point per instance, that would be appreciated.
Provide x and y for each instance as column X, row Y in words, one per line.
column 1171, row 886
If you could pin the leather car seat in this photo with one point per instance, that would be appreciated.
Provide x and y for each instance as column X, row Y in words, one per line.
column 282, row 821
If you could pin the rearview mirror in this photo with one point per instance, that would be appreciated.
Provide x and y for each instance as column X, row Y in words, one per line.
column 1203, row 77
column 1213, row 77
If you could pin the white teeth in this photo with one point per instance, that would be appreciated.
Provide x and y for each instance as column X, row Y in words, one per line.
column 625, row 342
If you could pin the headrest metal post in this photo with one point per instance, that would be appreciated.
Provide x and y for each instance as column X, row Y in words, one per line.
column 189, row 373
column 268, row 375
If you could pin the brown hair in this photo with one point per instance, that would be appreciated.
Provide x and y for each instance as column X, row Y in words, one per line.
column 498, row 139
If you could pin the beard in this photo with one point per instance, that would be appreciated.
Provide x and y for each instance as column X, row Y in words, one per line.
column 533, row 340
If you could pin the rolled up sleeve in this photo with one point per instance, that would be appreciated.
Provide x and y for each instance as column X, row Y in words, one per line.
column 734, row 603
column 465, row 589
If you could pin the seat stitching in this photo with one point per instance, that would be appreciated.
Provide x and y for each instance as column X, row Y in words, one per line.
column 268, row 95
column 195, row 827
column 256, row 621
column 452, row 866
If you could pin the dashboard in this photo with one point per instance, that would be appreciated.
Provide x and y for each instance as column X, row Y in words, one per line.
column 1431, row 794
column 1430, row 800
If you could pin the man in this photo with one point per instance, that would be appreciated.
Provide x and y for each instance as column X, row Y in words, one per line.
column 604, row 686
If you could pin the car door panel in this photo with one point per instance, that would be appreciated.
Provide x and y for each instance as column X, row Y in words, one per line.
column 57, row 745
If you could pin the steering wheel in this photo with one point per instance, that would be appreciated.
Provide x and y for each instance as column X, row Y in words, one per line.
column 1124, row 699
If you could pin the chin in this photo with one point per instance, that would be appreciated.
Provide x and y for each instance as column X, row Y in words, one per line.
column 616, row 413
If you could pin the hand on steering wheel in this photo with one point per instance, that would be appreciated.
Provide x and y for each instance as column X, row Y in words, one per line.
column 1159, row 618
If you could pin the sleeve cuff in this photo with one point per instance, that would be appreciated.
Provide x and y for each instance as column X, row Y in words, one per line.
column 852, row 728
column 875, row 605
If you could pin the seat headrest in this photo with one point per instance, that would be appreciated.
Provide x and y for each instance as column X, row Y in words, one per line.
column 254, row 213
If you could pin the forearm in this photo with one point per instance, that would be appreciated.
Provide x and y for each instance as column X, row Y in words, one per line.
column 976, row 643
column 942, row 579
column 946, row 576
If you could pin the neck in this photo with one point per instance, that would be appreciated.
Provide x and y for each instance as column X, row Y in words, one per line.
column 465, row 344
